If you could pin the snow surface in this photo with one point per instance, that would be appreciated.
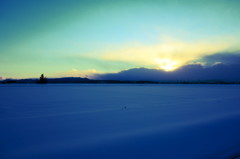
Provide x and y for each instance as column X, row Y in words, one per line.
column 123, row 121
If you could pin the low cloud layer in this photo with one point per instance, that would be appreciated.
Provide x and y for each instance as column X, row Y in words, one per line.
column 224, row 66
column 225, row 58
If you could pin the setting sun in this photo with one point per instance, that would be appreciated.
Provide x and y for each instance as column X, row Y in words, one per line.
column 167, row 64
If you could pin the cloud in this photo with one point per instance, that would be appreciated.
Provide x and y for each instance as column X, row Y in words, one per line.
column 227, row 69
column 225, row 58
column 179, row 52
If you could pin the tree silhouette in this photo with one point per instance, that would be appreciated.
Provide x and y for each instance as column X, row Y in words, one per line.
column 42, row 79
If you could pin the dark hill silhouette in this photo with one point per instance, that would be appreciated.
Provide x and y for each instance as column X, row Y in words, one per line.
column 68, row 80
column 193, row 72
column 218, row 67
column 49, row 80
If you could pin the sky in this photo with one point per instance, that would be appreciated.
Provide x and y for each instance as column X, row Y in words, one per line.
column 88, row 38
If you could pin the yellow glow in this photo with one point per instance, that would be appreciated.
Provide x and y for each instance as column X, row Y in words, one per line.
column 167, row 64
column 168, row 54
column 77, row 73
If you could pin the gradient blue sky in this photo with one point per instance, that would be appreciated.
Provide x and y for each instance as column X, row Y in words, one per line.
column 81, row 37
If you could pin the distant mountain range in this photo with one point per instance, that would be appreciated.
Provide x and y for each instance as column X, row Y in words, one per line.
column 90, row 81
column 49, row 80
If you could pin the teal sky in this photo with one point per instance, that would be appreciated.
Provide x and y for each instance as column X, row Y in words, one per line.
column 80, row 37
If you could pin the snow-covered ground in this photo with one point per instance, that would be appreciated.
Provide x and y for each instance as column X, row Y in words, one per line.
column 119, row 121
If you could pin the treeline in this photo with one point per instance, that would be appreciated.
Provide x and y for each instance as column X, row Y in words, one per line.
column 45, row 80
column 79, row 80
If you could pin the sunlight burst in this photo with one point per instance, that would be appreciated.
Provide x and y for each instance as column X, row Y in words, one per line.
column 167, row 64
